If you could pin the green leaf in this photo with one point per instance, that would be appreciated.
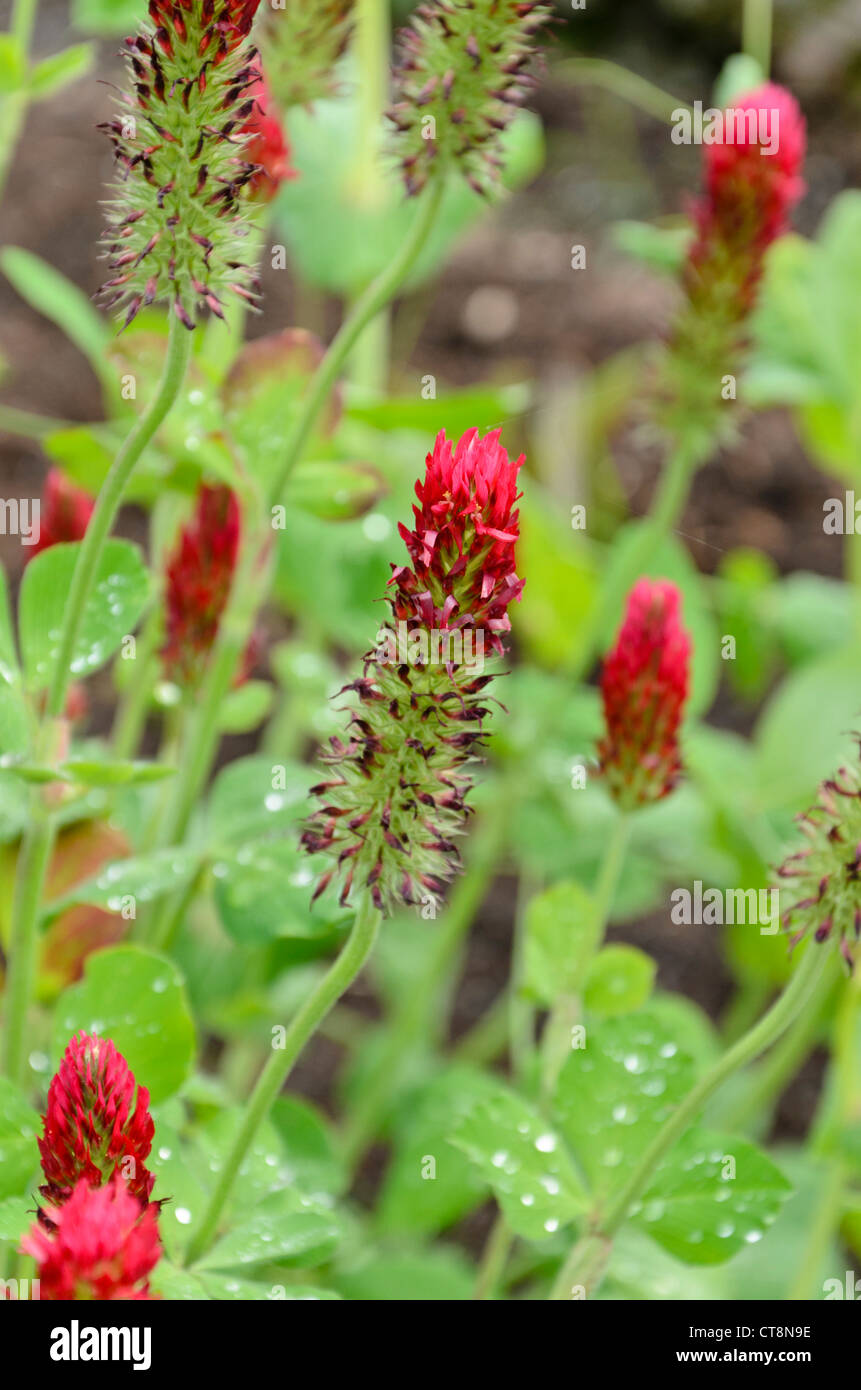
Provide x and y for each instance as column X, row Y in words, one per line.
column 245, row 708
column 314, row 1165
column 286, row 1227
column 660, row 248
column 334, row 490
column 14, row 730
column 56, row 72
column 256, row 797
column 137, row 999
column 739, row 75
column 227, row 1289
column 435, row 1275
column 19, row 1155
column 92, row 773
column 106, row 17
column 557, row 603
column 117, row 600
column 561, row 933
column 51, row 294
column 822, row 700
column 13, row 69
column 424, row 1198
column 711, row 1197
column 15, row 1219
column 614, row 1094
column 142, row 879
column 620, row 980
column 525, row 1163
column 263, row 892
column 454, row 411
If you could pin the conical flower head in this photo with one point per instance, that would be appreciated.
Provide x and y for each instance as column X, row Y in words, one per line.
column 64, row 512
column 100, row 1245
column 825, row 876
column 178, row 220
column 197, row 583
column 459, row 78
column 94, row 1125
column 644, row 686
column 396, row 799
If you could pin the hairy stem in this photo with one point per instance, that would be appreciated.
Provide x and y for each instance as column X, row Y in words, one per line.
column 334, row 983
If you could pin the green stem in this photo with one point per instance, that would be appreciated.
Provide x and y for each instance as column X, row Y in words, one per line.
column 14, row 106
column 493, row 1259
column 600, row 72
column 134, row 704
column 23, row 22
column 39, row 838
column 108, row 504
column 566, row 1009
column 424, row 1011
column 334, row 983
column 756, row 32
column 377, row 295
column 769, row 1028
column 369, row 359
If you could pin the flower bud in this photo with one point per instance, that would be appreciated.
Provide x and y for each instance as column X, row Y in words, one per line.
column 395, row 799
column 460, row 76
column 177, row 220
column 267, row 148
column 825, row 876
column 100, row 1245
column 644, row 686
column 94, row 1126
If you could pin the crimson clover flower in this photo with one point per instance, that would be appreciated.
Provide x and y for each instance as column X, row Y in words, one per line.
column 198, row 577
column 178, row 221
column 752, row 182
column 460, row 75
column 268, row 148
column 64, row 512
column 644, row 686
column 396, row 798
column 825, row 876
column 100, row 1244
column 94, row 1126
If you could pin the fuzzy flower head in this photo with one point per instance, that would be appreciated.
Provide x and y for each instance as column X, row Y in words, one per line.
column 302, row 41
column 197, row 583
column 459, row 79
column 100, row 1245
column 64, row 512
column 396, row 800
column 267, row 148
column 825, row 876
column 644, row 686
column 177, row 221
column 94, row 1126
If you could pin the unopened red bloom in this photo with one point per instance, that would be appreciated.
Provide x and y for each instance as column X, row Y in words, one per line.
column 396, row 797
column 64, row 513
column 224, row 24
column 100, row 1245
column 644, row 687
column 94, row 1125
column 198, row 579
column 753, row 181
column 268, row 147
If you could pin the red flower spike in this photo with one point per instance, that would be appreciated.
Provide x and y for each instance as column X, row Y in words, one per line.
column 64, row 513
column 390, row 817
column 93, row 1127
column 462, row 548
column 99, row 1245
column 198, row 579
column 750, row 192
column 644, row 687
column 268, row 147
